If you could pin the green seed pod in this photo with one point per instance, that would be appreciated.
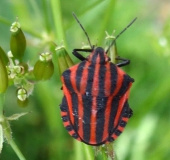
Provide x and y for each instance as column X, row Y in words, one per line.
column 43, row 70
column 17, row 42
column 4, row 56
column 3, row 75
column 63, row 59
column 44, row 67
column 23, row 104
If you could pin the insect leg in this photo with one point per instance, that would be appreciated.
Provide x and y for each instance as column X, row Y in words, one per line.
column 123, row 63
column 78, row 55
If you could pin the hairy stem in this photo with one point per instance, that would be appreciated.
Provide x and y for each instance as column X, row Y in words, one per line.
column 16, row 149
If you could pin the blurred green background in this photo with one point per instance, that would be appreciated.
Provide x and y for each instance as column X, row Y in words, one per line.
column 40, row 135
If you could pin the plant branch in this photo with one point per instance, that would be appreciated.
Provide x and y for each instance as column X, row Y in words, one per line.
column 58, row 21
column 1, row 105
column 16, row 149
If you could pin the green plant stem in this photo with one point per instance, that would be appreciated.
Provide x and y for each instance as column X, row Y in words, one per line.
column 16, row 149
column 7, row 135
column 7, row 131
column 58, row 22
column 88, row 152
column 1, row 105
column 107, row 16
column 46, row 13
column 4, row 21
column 78, row 149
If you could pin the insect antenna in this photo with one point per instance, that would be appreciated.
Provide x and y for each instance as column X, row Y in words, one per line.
column 82, row 29
column 121, row 33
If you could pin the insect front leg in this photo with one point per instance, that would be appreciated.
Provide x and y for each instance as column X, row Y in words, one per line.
column 123, row 63
column 78, row 55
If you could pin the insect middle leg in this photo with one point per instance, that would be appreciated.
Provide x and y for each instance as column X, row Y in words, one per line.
column 123, row 63
column 78, row 55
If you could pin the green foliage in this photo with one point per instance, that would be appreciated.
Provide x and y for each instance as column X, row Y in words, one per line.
column 41, row 135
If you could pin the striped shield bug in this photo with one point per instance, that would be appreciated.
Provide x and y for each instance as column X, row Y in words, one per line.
column 95, row 106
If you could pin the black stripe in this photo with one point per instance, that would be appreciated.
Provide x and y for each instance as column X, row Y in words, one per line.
column 69, row 128
column 79, row 73
column 118, row 132
column 101, row 106
column 64, row 105
column 87, row 104
column 65, row 118
column 122, row 123
column 127, row 112
column 124, row 86
column 102, row 59
column 74, row 99
column 110, row 139
column 98, row 51
column 90, row 78
column 94, row 57
column 114, row 108
column 102, row 73
column 75, row 135
column 113, row 78
column 67, row 81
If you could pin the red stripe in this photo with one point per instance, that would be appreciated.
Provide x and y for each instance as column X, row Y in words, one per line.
column 125, row 119
column 107, row 80
column 72, row 78
column 93, row 122
column 83, row 83
column 66, row 123
column 114, row 136
column 95, row 87
column 80, row 113
column 63, row 114
column 120, row 128
column 95, row 92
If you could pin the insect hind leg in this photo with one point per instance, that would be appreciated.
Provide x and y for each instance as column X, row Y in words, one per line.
column 78, row 55
column 123, row 63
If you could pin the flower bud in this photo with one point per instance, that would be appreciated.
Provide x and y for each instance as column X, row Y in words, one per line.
column 64, row 60
column 24, row 67
column 112, row 51
column 44, row 67
column 17, row 42
column 21, row 94
column 3, row 75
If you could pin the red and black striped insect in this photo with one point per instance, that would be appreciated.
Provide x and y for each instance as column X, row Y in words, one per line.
column 95, row 106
